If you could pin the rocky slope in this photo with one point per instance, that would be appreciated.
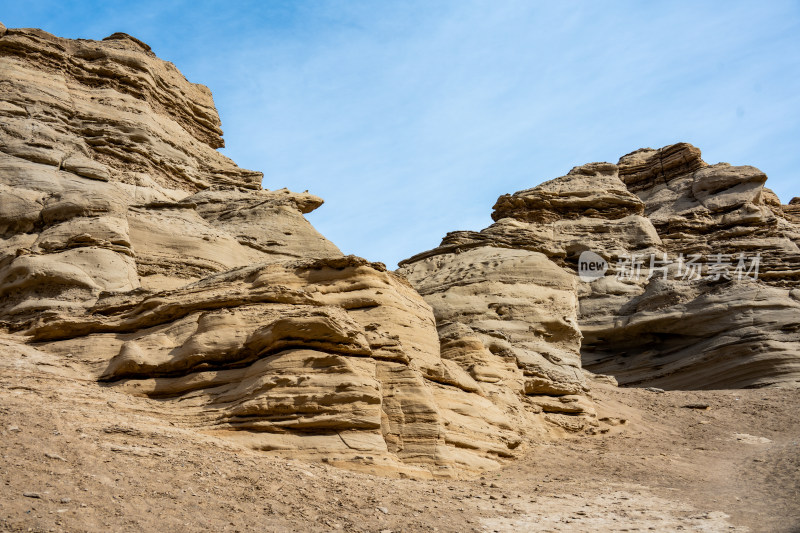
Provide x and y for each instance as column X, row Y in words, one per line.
column 683, row 303
column 137, row 258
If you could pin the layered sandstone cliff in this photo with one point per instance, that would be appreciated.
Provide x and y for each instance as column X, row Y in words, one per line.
column 135, row 256
column 685, row 302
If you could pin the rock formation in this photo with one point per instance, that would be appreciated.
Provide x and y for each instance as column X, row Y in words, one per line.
column 718, row 331
column 134, row 255
column 672, row 311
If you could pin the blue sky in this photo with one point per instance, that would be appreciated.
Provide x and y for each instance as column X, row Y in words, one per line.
column 411, row 118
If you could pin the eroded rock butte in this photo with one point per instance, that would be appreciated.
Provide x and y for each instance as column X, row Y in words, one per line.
column 136, row 256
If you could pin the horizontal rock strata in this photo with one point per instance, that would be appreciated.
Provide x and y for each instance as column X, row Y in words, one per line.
column 650, row 319
column 134, row 255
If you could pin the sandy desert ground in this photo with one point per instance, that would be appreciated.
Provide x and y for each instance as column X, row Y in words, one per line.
column 71, row 463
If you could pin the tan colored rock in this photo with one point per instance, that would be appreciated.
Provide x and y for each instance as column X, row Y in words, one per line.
column 310, row 357
column 679, row 336
column 792, row 211
column 572, row 197
column 110, row 110
column 271, row 222
column 137, row 256
column 507, row 317
column 636, row 326
column 646, row 167
column 703, row 333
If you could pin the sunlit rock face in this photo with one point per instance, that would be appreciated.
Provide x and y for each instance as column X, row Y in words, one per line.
column 733, row 327
column 681, row 305
column 134, row 255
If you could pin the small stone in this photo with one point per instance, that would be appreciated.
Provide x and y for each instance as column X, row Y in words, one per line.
column 384, row 510
column 14, row 429
column 31, row 494
column 65, row 500
column 700, row 406
column 654, row 389
column 54, row 456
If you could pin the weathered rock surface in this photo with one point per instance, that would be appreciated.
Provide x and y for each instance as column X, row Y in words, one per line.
column 110, row 110
column 136, row 256
column 673, row 310
column 507, row 317
column 718, row 331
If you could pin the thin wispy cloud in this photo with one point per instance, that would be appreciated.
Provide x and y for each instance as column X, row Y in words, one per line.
column 411, row 118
